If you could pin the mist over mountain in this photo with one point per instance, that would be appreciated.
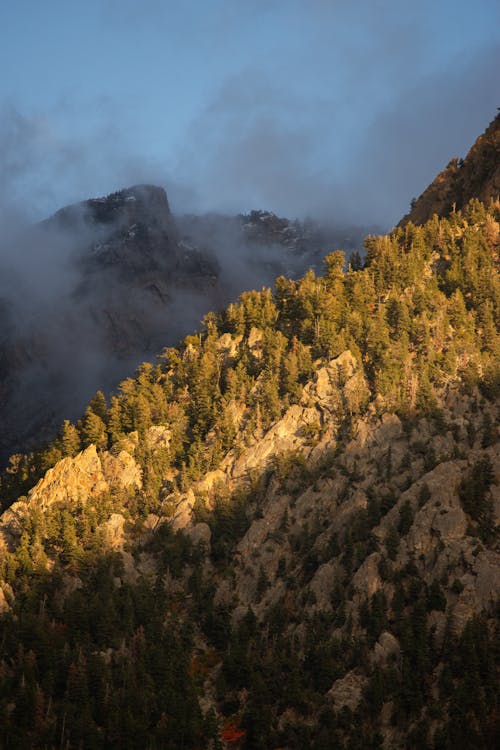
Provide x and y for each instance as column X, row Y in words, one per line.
column 102, row 285
column 89, row 293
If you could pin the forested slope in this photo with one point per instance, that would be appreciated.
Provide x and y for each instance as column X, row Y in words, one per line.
column 283, row 533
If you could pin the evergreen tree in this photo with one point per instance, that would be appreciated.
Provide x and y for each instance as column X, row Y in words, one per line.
column 93, row 430
column 70, row 439
column 98, row 405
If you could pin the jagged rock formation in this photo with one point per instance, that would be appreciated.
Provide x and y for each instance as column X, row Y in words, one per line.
column 476, row 176
column 320, row 411
column 72, row 481
column 135, row 267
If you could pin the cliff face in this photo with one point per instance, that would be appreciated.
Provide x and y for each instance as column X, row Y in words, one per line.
column 476, row 176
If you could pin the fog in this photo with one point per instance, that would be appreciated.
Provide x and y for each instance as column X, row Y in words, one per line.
column 101, row 286
column 257, row 147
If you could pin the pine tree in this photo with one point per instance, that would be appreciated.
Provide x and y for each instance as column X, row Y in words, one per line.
column 98, row 405
column 70, row 439
column 141, row 413
column 93, row 430
column 115, row 426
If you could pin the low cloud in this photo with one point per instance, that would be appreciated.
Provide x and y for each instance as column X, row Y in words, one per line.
column 254, row 146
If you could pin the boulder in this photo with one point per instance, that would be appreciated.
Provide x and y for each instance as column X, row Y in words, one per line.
column 70, row 480
column 347, row 691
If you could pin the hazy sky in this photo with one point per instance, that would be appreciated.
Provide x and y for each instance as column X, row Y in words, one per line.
column 338, row 108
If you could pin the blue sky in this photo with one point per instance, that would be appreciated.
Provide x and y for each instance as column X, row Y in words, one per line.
column 335, row 108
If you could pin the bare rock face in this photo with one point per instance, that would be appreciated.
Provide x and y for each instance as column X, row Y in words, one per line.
column 254, row 339
column 122, row 470
column 182, row 516
column 320, row 408
column 200, row 534
column 228, row 344
column 321, row 404
column 114, row 534
column 5, row 595
column 442, row 518
column 71, row 481
column 347, row 691
column 285, row 435
column 158, row 437
column 367, row 580
column 11, row 524
column 387, row 647
column 481, row 587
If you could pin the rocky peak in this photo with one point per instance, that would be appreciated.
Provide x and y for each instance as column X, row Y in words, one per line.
column 146, row 203
column 120, row 269
column 131, row 230
column 265, row 227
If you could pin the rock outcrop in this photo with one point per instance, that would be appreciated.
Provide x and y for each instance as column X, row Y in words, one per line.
column 70, row 482
column 306, row 428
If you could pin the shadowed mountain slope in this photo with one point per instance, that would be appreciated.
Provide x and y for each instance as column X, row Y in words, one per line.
column 283, row 533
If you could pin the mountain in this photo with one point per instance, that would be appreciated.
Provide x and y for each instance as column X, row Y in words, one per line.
column 112, row 267
column 476, row 176
column 94, row 290
column 283, row 532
